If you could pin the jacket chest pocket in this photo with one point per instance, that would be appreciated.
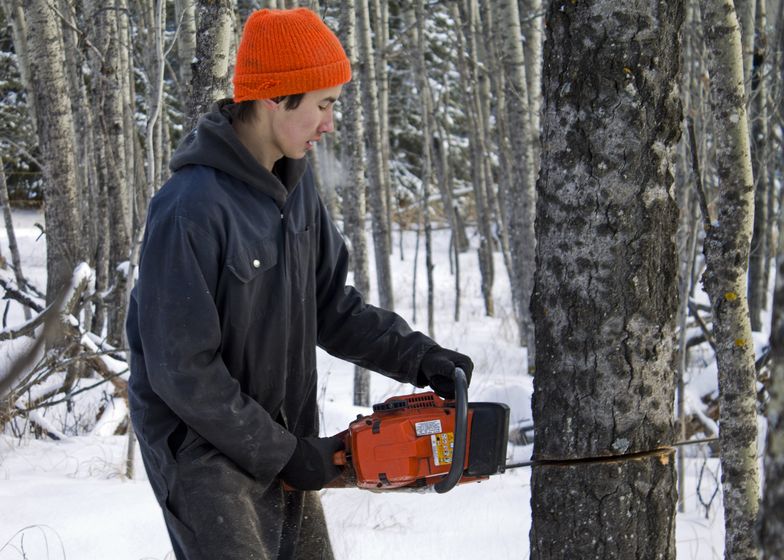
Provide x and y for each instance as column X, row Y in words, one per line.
column 303, row 258
column 252, row 282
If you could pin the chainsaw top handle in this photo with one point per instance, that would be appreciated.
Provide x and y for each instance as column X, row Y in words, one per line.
column 461, row 433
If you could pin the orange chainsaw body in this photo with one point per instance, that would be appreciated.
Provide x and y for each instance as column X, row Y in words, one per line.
column 408, row 442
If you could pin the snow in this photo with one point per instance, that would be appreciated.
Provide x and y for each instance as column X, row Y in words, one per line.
column 71, row 499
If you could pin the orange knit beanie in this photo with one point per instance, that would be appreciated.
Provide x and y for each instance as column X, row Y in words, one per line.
column 284, row 52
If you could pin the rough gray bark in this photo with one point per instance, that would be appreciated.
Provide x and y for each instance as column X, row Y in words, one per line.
column 355, row 185
column 381, row 238
column 56, row 141
column 478, row 150
column 771, row 517
column 605, row 292
column 758, row 115
column 726, row 250
column 211, row 78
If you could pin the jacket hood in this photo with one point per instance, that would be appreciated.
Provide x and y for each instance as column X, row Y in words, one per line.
column 214, row 143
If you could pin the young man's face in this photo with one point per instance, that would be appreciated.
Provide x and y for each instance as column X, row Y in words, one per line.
column 295, row 132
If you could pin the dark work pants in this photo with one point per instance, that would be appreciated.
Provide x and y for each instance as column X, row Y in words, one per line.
column 215, row 511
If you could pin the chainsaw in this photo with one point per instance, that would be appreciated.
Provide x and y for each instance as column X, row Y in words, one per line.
column 422, row 442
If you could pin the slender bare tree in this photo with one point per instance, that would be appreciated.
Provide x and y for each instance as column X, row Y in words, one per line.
column 726, row 250
column 771, row 517
column 758, row 115
column 467, row 65
column 353, row 191
column 381, row 238
column 54, row 125
column 522, row 196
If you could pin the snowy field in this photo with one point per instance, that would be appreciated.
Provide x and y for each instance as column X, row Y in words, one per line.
column 70, row 499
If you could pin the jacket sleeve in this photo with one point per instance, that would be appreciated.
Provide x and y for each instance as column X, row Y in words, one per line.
column 181, row 338
column 349, row 328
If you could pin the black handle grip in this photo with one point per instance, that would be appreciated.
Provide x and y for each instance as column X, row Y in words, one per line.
column 461, row 433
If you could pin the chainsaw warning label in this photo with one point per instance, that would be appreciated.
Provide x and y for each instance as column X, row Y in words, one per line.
column 427, row 428
column 442, row 448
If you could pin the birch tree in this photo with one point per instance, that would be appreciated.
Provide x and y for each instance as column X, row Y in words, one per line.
column 54, row 125
column 381, row 238
column 771, row 516
column 726, row 250
column 211, row 77
column 605, row 290
column 13, row 248
column 758, row 114
column 355, row 185
column 185, row 14
column 521, row 199
column 467, row 63
column 417, row 17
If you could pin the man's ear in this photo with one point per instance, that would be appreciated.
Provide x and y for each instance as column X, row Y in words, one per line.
column 270, row 104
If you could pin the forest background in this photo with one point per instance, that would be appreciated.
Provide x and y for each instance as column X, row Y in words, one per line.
column 613, row 157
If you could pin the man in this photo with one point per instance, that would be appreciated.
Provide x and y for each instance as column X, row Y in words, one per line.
column 242, row 274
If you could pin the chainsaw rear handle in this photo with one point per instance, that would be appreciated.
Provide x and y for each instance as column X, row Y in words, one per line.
column 461, row 433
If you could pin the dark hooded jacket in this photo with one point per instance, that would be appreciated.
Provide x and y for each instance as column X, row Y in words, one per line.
column 242, row 273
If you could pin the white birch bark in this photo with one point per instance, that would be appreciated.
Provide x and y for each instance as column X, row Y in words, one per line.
column 478, row 150
column 185, row 14
column 381, row 238
column 522, row 195
column 726, row 250
column 211, row 78
column 353, row 148
column 56, row 142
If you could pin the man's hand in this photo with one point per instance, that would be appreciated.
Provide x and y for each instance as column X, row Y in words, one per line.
column 438, row 369
column 311, row 466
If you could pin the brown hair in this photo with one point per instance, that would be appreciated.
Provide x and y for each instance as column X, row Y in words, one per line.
column 243, row 112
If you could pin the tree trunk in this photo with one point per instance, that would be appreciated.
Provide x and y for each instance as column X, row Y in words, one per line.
column 381, row 238
column 211, row 79
column 522, row 195
column 56, row 141
column 771, row 518
column 185, row 14
column 353, row 146
column 381, row 12
column 605, row 292
column 419, row 44
column 478, row 150
column 726, row 250
column 532, row 27
column 746, row 17
column 13, row 248
column 758, row 259
column 15, row 15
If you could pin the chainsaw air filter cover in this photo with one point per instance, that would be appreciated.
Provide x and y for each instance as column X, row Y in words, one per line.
column 408, row 441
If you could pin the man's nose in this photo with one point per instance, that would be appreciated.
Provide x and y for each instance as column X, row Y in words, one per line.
column 326, row 124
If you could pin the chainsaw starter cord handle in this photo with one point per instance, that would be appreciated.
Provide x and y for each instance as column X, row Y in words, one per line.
column 461, row 433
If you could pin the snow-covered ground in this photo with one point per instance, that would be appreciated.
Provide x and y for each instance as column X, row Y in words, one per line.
column 70, row 499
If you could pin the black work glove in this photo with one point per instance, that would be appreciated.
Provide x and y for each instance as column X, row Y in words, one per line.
column 437, row 369
column 311, row 466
